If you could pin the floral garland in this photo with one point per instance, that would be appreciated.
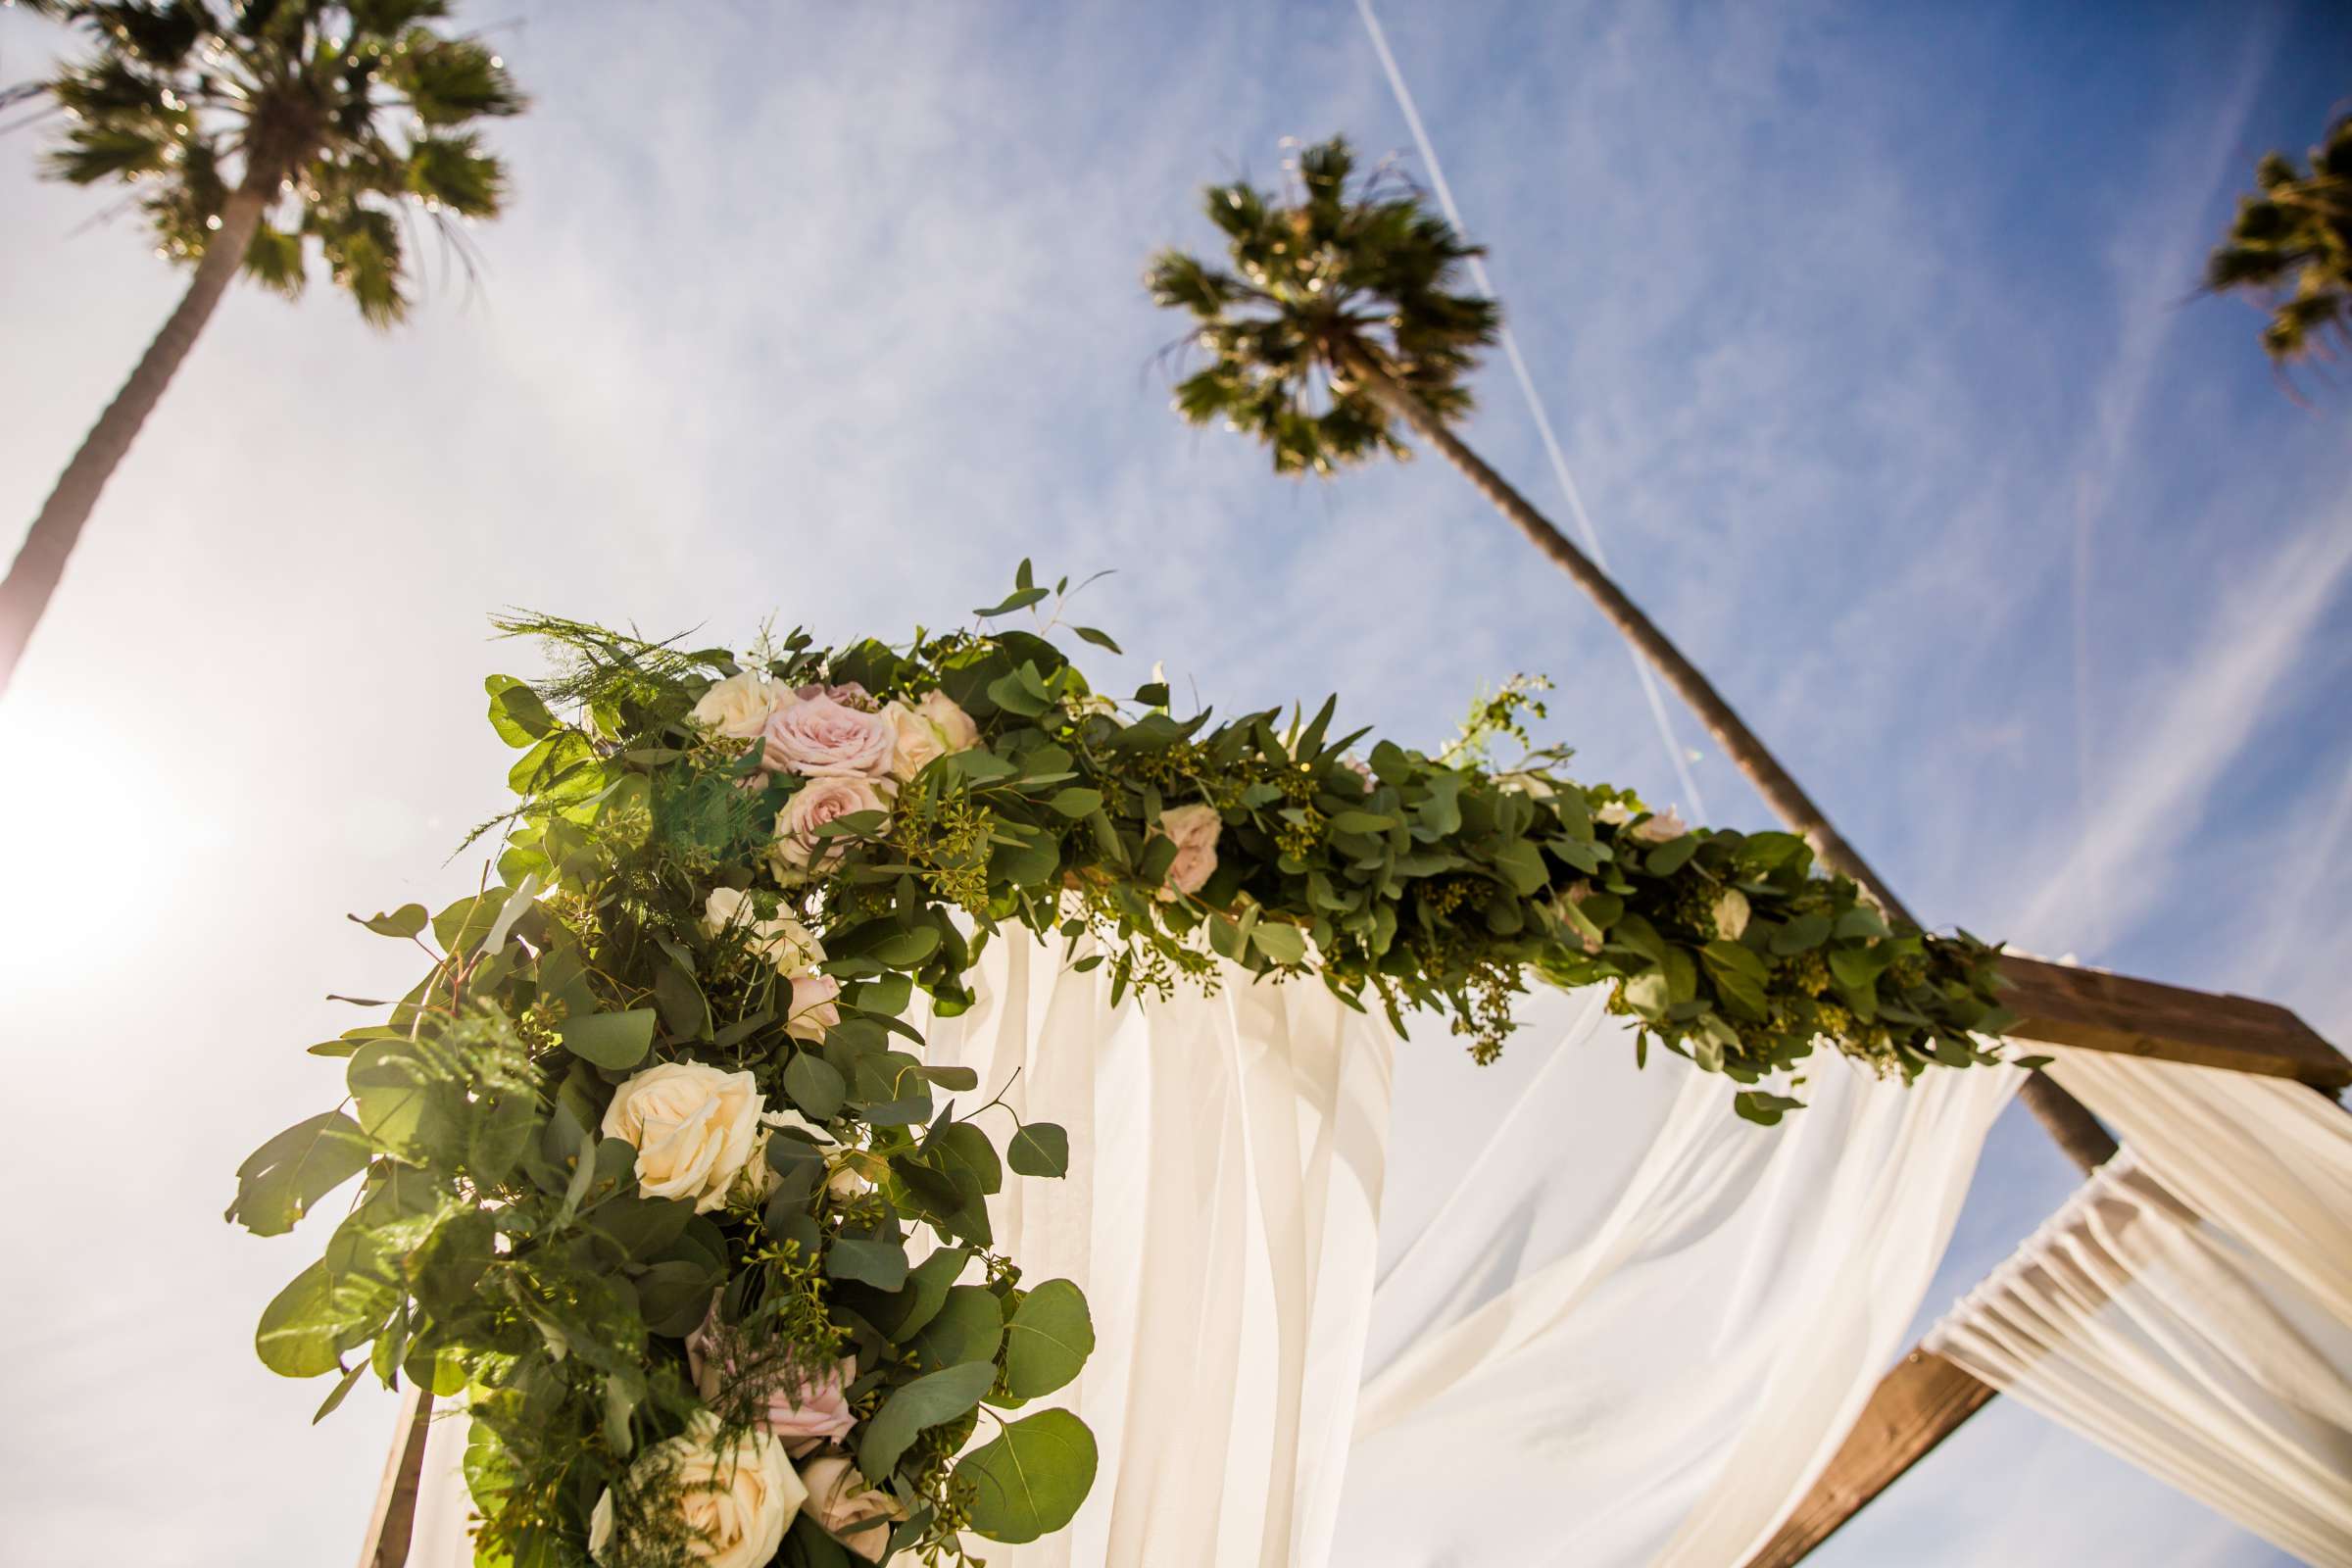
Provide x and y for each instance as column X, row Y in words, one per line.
column 645, row 1151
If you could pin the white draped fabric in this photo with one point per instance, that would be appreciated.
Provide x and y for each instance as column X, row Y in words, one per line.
column 2266, row 1158
column 2185, row 1309
column 1598, row 1293
column 1222, row 1216
column 1634, row 1329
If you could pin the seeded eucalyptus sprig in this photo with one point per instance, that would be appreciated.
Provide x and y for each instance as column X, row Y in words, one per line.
column 504, row 1243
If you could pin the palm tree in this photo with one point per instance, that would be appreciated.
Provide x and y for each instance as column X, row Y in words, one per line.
column 2290, row 246
column 1342, row 318
column 249, row 134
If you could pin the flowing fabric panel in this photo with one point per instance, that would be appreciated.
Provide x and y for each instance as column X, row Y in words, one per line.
column 1221, row 1214
column 1632, row 1318
column 2141, row 1325
column 2268, row 1160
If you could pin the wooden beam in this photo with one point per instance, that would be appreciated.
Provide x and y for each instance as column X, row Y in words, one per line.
column 1915, row 1407
column 2061, row 1006
column 395, row 1518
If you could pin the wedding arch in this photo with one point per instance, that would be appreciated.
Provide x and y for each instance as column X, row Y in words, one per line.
column 658, row 1173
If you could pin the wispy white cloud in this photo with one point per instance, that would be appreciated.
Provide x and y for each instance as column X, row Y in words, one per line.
column 2188, row 725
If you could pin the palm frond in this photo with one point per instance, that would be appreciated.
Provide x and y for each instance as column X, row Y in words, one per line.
column 348, row 112
column 2290, row 248
column 448, row 82
column 1346, row 263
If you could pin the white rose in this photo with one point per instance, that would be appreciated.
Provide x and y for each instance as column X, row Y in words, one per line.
column 956, row 726
column 798, row 850
column 739, row 707
column 1731, row 914
column 692, row 1126
column 839, row 1500
column 1660, row 828
column 735, row 1493
column 1616, row 813
column 1195, row 829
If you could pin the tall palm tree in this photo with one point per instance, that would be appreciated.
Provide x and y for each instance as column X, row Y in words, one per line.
column 1340, row 318
column 2290, row 246
column 251, row 133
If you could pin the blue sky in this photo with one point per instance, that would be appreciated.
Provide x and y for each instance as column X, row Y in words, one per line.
column 1868, row 331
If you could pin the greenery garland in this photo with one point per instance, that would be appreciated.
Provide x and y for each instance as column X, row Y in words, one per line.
column 644, row 1148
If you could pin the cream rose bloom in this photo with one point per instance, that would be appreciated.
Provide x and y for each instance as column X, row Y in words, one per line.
column 1616, row 813
column 1660, row 829
column 735, row 1493
column 838, row 1498
column 786, row 944
column 1195, row 829
column 932, row 728
column 799, row 852
column 740, row 706
column 1731, row 914
column 693, row 1127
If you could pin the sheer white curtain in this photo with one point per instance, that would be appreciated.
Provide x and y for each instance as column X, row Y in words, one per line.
column 1633, row 1329
column 1221, row 1214
column 2185, row 1309
column 2267, row 1159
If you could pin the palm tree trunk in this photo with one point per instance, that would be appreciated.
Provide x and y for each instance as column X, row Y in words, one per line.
column 2078, row 1133
column 41, row 561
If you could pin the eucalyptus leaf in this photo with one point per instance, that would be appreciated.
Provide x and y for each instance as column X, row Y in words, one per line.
column 967, row 1327
column 928, row 1401
column 1039, row 1149
column 286, row 1176
column 1048, row 1339
column 879, row 1263
column 1031, row 1478
column 615, row 1041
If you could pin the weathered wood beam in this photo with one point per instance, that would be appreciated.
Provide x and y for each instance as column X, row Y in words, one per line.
column 2061, row 1006
column 1915, row 1407
column 395, row 1518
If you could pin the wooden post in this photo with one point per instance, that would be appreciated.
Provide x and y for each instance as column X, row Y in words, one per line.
column 1917, row 1406
column 395, row 1518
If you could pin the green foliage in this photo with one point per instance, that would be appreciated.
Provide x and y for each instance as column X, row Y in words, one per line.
column 1335, row 270
column 500, row 1242
column 1032, row 1477
column 341, row 114
column 2290, row 246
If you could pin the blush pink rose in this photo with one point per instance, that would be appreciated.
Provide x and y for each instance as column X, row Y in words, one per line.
column 845, row 1508
column 799, row 853
column 849, row 693
column 822, row 738
column 814, row 1006
column 805, row 1413
column 1195, row 830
